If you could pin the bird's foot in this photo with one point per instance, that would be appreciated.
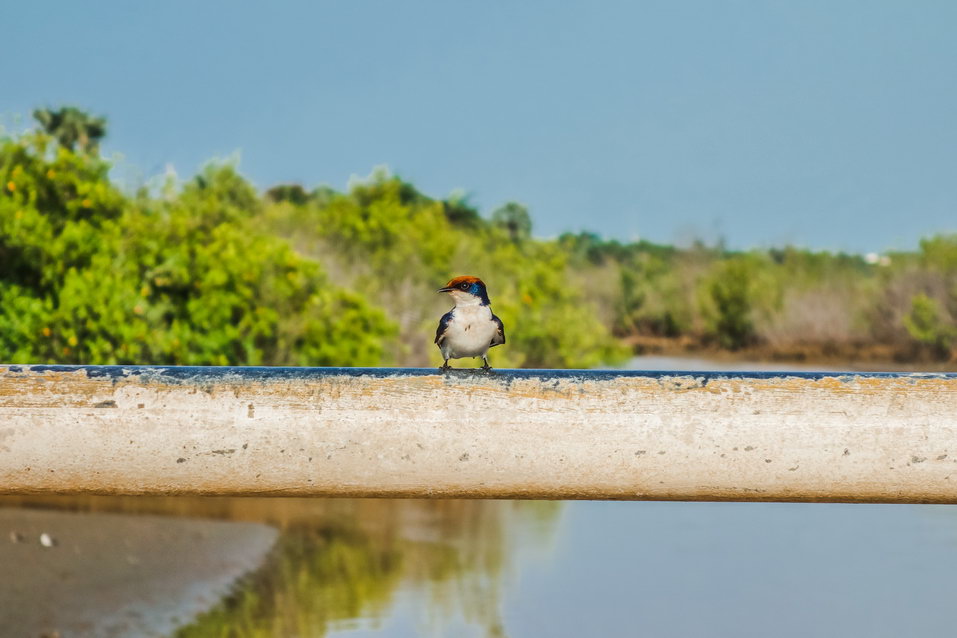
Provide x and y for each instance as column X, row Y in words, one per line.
column 445, row 367
column 486, row 367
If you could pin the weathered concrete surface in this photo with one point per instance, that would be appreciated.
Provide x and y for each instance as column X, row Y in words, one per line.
column 518, row 433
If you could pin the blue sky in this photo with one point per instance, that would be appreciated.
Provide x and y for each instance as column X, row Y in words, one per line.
column 828, row 124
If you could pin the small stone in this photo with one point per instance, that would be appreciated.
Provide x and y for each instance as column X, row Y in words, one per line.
column 16, row 537
column 47, row 541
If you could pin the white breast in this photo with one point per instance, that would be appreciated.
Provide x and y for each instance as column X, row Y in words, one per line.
column 469, row 332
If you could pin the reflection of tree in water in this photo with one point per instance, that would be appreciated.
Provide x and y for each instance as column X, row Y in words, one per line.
column 465, row 568
column 341, row 559
column 314, row 577
column 348, row 564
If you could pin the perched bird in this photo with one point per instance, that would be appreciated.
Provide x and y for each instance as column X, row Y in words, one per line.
column 470, row 328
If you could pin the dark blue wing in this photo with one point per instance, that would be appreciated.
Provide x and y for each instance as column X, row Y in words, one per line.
column 443, row 326
column 499, row 337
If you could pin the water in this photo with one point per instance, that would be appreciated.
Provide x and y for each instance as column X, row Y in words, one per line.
column 677, row 569
column 371, row 568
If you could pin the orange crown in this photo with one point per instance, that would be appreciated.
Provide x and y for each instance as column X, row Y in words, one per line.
column 464, row 279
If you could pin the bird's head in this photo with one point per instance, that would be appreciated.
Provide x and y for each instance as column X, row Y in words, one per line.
column 467, row 291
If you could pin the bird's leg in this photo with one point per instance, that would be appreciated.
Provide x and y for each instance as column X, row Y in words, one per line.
column 485, row 365
column 445, row 366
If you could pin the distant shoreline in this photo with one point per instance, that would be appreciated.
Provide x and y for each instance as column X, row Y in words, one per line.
column 861, row 357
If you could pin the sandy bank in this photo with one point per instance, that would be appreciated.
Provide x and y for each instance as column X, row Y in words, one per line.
column 76, row 574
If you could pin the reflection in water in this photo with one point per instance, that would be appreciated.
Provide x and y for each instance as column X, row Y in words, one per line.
column 339, row 563
column 362, row 568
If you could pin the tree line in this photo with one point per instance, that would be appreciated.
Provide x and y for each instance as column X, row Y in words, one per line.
column 213, row 271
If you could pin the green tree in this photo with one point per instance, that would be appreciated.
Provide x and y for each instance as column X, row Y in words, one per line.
column 72, row 128
column 514, row 219
column 93, row 277
column 729, row 300
column 927, row 326
column 461, row 212
column 293, row 193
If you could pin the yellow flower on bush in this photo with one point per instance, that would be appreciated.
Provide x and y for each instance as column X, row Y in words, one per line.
column 11, row 186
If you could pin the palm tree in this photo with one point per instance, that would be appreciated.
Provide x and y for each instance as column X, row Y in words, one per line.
column 72, row 127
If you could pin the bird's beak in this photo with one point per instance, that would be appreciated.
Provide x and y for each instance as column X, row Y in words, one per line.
column 446, row 289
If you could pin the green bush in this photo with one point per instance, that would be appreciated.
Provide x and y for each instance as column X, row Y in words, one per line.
column 927, row 327
column 91, row 276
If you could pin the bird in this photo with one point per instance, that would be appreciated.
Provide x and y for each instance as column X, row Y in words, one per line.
column 470, row 328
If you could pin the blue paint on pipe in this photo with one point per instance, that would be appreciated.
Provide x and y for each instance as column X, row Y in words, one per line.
column 245, row 374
